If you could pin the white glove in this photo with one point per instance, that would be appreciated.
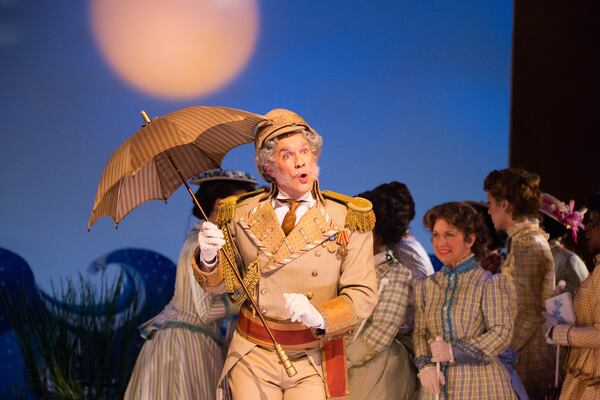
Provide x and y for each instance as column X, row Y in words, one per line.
column 430, row 380
column 210, row 241
column 302, row 311
column 441, row 351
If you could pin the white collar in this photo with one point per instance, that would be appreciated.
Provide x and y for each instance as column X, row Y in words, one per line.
column 307, row 197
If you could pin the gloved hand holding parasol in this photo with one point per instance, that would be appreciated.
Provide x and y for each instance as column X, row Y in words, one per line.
column 163, row 155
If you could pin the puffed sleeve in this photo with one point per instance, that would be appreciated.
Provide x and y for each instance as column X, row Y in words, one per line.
column 534, row 282
column 420, row 332
column 383, row 324
column 497, row 313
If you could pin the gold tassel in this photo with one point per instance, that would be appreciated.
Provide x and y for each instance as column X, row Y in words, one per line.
column 251, row 274
column 226, row 210
column 360, row 216
column 362, row 221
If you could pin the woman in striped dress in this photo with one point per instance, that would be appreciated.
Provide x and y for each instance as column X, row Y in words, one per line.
column 380, row 365
column 183, row 355
column 463, row 315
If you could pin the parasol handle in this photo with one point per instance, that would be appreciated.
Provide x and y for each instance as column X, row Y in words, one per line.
column 557, row 368
column 437, row 375
column 438, row 371
column 283, row 357
column 189, row 189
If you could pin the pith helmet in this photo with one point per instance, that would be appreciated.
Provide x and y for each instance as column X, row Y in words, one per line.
column 279, row 122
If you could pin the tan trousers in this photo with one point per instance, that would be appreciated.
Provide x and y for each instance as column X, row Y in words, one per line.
column 259, row 375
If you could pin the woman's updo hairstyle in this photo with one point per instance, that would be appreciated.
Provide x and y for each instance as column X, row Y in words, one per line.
column 394, row 209
column 519, row 187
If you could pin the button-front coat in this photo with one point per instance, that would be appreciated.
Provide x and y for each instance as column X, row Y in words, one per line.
column 324, row 257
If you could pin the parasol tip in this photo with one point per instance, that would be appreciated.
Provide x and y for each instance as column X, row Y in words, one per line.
column 145, row 116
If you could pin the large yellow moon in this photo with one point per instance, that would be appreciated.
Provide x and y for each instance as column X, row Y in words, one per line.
column 176, row 49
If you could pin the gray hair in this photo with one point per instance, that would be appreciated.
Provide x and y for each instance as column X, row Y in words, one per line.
column 266, row 154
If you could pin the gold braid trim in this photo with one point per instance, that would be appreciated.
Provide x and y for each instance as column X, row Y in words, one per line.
column 250, row 275
column 360, row 216
column 251, row 278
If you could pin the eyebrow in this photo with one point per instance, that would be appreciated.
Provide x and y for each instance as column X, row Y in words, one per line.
column 287, row 149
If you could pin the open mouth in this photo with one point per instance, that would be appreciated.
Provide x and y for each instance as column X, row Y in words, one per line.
column 303, row 178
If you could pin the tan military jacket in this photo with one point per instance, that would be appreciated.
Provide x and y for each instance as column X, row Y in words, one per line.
column 310, row 260
column 328, row 256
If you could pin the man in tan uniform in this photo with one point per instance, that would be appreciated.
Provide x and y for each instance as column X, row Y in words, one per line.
column 306, row 255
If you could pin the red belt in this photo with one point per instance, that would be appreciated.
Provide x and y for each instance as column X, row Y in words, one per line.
column 296, row 336
column 293, row 336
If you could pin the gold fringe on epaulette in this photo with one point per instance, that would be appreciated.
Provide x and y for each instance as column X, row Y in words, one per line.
column 362, row 221
column 226, row 210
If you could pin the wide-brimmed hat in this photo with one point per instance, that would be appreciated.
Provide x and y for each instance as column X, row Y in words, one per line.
column 565, row 214
column 279, row 122
column 219, row 174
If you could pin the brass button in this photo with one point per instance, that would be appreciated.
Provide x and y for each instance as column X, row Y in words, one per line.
column 315, row 273
column 309, row 295
column 264, row 291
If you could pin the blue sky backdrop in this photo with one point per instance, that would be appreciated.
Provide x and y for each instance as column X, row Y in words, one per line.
column 400, row 90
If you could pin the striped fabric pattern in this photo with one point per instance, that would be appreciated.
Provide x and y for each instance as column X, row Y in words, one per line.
column 470, row 308
column 180, row 359
column 413, row 256
column 196, row 138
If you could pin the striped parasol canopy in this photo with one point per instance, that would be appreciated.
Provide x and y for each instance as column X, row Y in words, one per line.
column 167, row 151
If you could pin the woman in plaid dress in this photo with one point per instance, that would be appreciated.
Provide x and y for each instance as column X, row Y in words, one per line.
column 463, row 315
column 381, row 366
column 514, row 199
column 583, row 338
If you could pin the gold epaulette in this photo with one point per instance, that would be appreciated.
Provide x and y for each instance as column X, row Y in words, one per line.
column 360, row 216
column 227, row 206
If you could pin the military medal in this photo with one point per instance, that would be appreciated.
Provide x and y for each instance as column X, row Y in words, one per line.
column 343, row 238
column 331, row 245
